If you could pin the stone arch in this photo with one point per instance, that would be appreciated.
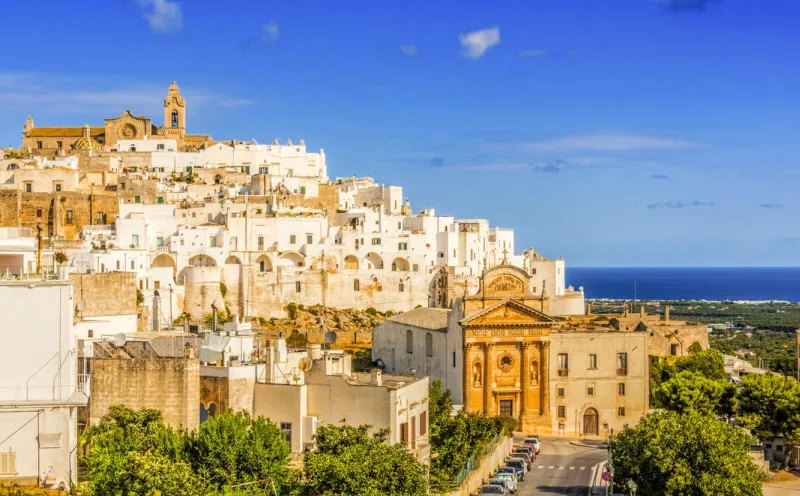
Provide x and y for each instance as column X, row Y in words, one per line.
column 164, row 260
column 374, row 261
column 400, row 264
column 591, row 422
column 533, row 370
column 291, row 259
column 264, row 264
column 233, row 259
column 12, row 167
column 351, row 262
column 477, row 373
column 218, row 179
column 202, row 261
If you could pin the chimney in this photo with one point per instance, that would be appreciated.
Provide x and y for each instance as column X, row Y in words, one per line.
column 376, row 379
column 666, row 313
column 641, row 310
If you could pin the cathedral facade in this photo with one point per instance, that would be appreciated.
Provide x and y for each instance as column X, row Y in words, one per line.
column 54, row 140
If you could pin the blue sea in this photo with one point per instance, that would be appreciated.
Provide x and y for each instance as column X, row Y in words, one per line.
column 691, row 283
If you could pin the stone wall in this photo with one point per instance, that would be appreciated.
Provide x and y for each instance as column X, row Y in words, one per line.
column 229, row 394
column 488, row 465
column 171, row 385
column 105, row 293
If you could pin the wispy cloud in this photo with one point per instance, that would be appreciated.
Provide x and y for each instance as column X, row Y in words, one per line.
column 610, row 142
column 526, row 54
column 476, row 43
column 771, row 205
column 270, row 31
column 680, row 204
column 686, row 5
column 409, row 50
column 163, row 16
column 76, row 94
column 659, row 176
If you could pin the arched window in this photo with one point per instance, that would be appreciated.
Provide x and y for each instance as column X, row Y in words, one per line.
column 212, row 410
column 409, row 341
column 175, row 119
column 429, row 344
column 203, row 413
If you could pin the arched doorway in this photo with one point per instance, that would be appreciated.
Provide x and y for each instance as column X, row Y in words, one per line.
column 590, row 422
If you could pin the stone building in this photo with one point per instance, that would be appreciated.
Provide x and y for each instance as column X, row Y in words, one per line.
column 508, row 356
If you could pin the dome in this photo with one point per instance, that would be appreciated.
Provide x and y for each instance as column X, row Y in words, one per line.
column 84, row 143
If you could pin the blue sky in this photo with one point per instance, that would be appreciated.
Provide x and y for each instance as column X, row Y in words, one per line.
column 613, row 133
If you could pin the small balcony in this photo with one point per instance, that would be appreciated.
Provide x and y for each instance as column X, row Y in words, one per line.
column 622, row 372
column 563, row 372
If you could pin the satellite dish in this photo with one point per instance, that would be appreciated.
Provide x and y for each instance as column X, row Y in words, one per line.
column 120, row 339
column 330, row 337
column 305, row 364
column 81, row 306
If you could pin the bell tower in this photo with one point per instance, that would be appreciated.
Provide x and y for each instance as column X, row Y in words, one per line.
column 175, row 115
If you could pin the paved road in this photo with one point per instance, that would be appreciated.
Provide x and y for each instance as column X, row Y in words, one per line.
column 562, row 468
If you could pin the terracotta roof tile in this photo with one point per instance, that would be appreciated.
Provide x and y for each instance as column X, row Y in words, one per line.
column 66, row 132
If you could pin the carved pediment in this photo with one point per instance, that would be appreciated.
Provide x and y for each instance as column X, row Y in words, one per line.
column 505, row 284
column 507, row 312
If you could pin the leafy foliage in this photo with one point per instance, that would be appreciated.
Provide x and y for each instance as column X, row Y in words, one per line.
column 134, row 452
column 692, row 454
column 775, row 348
column 770, row 406
column 692, row 391
column 350, row 460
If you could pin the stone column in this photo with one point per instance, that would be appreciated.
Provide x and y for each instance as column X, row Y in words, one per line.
column 487, row 350
column 467, row 382
column 544, row 378
column 524, row 378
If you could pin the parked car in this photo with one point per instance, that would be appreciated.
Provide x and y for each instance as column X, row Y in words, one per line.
column 508, row 480
column 510, row 471
column 525, row 456
column 493, row 489
column 517, row 471
column 518, row 463
column 510, row 477
column 533, row 441
column 526, row 447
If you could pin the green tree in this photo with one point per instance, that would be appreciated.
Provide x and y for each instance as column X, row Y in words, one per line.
column 692, row 454
column 440, row 407
column 349, row 460
column 784, row 364
column 708, row 362
column 769, row 405
column 689, row 391
column 234, row 448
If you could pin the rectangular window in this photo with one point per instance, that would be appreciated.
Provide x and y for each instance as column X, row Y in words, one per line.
column 356, row 285
column 156, row 284
column 263, row 170
column 8, row 463
column 261, row 243
column 134, row 241
column 137, row 199
column 58, row 187
column 376, row 241
column 39, row 213
column 292, row 239
column 563, row 365
column 39, row 145
column 507, row 408
column 160, row 241
column 69, row 218
column 60, row 144
column 118, row 264
column 415, row 267
column 592, row 361
column 622, row 363
column 286, row 430
column 212, row 241
column 562, row 412
column 673, row 349
column 133, row 265
column 302, row 190
column 402, row 286
column 160, row 199
column 309, row 239
column 423, row 423
column 402, row 246
column 28, row 187
column 620, row 411
column 100, row 218
column 590, row 391
column 454, row 359
column 621, row 389
column 291, row 172
column 297, row 287
column 560, row 392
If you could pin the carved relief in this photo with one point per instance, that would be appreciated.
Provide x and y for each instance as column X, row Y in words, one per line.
column 505, row 362
column 504, row 284
column 127, row 132
column 534, row 372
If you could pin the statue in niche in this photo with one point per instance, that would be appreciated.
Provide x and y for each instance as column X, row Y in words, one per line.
column 534, row 372
column 477, row 371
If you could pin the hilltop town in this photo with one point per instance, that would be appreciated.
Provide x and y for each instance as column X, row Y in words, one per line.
column 146, row 267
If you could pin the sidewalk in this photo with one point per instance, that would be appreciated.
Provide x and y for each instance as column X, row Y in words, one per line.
column 782, row 484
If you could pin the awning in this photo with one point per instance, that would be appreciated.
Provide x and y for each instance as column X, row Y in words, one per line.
column 213, row 347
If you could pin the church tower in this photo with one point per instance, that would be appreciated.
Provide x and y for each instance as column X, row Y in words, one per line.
column 175, row 115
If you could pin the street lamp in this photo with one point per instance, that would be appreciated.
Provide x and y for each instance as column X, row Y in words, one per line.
column 632, row 486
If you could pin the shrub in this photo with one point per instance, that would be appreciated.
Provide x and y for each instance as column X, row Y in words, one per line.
column 223, row 289
column 291, row 308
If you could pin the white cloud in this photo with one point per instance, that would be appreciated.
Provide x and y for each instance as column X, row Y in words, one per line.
column 270, row 31
column 64, row 94
column 163, row 16
column 526, row 54
column 477, row 42
column 610, row 142
column 409, row 50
